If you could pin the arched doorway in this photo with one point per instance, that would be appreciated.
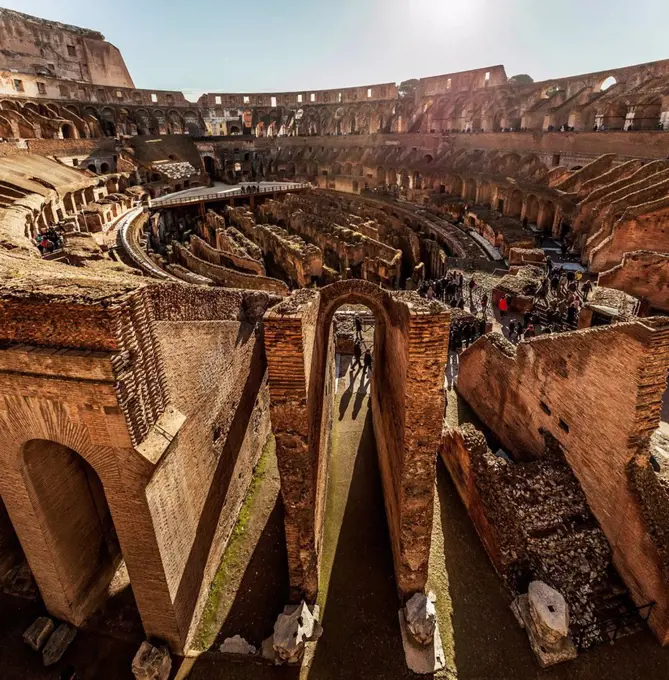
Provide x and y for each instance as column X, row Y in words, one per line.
column 69, row 501
column 210, row 166
column 532, row 209
column 515, row 204
column 547, row 217
column 470, row 190
column 413, row 343
column 67, row 131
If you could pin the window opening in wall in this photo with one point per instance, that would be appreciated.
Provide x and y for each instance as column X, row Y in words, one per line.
column 100, row 95
column 218, row 99
column 154, row 98
column 556, row 159
column 41, row 88
column 544, row 407
column 564, row 425
column 609, row 82
column 369, row 93
column 119, row 94
column 487, row 78
column 51, row 67
column 340, row 97
column 71, row 51
column 75, row 162
column 448, row 84
column 247, row 100
column 64, row 91
column 299, row 98
column 312, row 97
column 18, row 85
column 272, row 101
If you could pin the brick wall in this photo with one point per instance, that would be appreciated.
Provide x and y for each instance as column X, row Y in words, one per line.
column 598, row 392
column 643, row 274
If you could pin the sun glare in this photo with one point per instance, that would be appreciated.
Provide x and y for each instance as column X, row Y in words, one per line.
column 441, row 14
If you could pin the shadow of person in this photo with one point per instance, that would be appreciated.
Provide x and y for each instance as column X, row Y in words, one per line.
column 346, row 396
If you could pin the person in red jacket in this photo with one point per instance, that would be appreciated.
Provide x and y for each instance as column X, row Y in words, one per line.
column 503, row 307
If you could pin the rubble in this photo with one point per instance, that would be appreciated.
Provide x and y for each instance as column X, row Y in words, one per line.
column 151, row 663
column 421, row 617
column 237, row 645
column 294, row 628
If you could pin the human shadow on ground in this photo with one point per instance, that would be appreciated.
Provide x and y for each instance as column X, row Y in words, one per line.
column 361, row 637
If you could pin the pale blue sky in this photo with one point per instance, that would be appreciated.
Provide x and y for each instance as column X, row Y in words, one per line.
column 274, row 45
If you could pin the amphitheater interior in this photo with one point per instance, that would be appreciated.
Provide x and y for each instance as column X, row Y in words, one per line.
column 346, row 353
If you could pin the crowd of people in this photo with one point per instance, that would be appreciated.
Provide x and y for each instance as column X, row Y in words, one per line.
column 49, row 240
column 556, row 305
column 452, row 290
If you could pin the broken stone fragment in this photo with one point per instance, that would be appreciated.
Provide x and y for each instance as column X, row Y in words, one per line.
column 237, row 645
column 151, row 663
column 292, row 630
column 549, row 612
column 39, row 631
column 59, row 641
column 421, row 617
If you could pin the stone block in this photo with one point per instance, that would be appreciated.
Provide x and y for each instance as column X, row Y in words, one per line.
column 421, row 617
column 422, row 659
column 58, row 643
column 293, row 629
column 39, row 631
column 549, row 612
column 237, row 645
column 151, row 663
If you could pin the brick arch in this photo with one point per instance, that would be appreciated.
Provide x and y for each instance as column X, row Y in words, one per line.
column 124, row 476
column 407, row 409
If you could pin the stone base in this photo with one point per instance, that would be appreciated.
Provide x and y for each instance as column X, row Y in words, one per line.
column 420, row 659
column 547, row 655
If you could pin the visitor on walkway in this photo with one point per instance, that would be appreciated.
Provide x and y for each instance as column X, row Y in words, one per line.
column 587, row 289
column 357, row 354
column 368, row 362
column 503, row 306
column 358, row 328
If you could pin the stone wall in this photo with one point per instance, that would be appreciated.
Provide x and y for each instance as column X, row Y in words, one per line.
column 599, row 393
column 225, row 277
column 407, row 407
column 643, row 274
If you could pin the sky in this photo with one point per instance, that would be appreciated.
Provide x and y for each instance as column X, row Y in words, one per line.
column 281, row 45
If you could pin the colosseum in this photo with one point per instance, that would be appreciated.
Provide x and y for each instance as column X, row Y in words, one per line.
column 355, row 383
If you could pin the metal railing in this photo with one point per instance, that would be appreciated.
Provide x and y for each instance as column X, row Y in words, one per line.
column 228, row 193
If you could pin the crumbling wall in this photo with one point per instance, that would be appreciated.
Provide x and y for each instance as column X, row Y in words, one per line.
column 598, row 392
column 643, row 274
column 534, row 522
column 227, row 278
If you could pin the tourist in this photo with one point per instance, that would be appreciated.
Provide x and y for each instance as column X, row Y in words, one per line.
column 587, row 289
column 358, row 328
column 512, row 329
column 484, row 305
column 503, row 306
column 571, row 314
column 368, row 361
column 357, row 354
column 530, row 332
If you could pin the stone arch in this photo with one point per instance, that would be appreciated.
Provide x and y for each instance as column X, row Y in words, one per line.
column 470, row 189
column 546, row 216
column 532, row 209
column 484, row 194
column 514, row 206
column 607, row 83
column 68, row 497
column 407, row 462
column 68, row 131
